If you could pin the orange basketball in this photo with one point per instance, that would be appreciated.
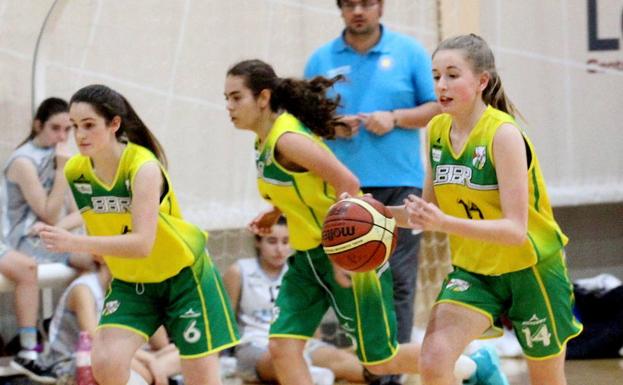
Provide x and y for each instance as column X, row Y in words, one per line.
column 359, row 234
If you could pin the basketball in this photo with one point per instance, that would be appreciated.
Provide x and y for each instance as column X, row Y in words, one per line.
column 359, row 234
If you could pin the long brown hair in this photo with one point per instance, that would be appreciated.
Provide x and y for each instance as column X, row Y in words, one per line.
column 306, row 100
column 48, row 108
column 108, row 103
column 477, row 52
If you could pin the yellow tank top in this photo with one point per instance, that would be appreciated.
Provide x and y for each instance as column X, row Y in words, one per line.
column 466, row 186
column 303, row 197
column 106, row 211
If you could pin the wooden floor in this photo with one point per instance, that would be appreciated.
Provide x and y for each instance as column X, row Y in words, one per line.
column 579, row 372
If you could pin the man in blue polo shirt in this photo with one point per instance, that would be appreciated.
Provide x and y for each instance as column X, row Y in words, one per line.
column 386, row 96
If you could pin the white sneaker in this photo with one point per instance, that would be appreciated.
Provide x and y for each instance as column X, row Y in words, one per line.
column 322, row 376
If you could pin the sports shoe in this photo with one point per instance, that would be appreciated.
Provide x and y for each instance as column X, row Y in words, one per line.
column 33, row 370
column 488, row 370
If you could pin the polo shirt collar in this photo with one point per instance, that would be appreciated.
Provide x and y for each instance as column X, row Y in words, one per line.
column 380, row 47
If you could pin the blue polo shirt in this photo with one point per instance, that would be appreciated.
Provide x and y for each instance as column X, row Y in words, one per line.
column 395, row 73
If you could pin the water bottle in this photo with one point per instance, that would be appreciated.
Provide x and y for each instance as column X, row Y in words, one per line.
column 84, row 375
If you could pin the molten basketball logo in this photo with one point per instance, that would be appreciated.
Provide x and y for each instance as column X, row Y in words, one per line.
column 358, row 234
column 330, row 234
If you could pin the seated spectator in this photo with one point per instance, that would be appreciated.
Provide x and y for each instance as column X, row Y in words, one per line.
column 34, row 190
column 253, row 285
column 79, row 309
column 34, row 187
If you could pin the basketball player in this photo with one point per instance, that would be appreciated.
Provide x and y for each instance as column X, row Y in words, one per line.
column 485, row 189
column 298, row 174
column 253, row 285
column 161, row 272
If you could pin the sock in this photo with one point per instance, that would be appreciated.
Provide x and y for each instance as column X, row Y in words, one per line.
column 28, row 341
column 28, row 337
column 464, row 368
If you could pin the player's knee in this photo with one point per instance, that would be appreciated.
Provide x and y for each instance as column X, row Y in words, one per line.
column 434, row 363
column 276, row 348
column 283, row 349
column 109, row 368
column 381, row 369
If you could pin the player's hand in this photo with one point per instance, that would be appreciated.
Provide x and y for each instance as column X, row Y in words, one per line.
column 62, row 153
column 341, row 276
column 36, row 228
column 348, row 127
column 262, row 224
column 379, row 122
column 57, row 240
column 158, row 373
column 423, row 215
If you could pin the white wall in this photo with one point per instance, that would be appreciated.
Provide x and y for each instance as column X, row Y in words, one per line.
column 169, row 58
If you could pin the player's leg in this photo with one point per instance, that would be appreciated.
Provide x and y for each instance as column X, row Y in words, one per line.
column 303, row 299
column 254, row 363
column 550, row 371
column 343, row 364
column 542, row 317
column 450, row 329
column 288, row 361
column 202, row 370
column 112, row 354
column 199, row 320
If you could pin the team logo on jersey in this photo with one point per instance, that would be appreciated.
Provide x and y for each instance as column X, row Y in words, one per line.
column 84, row 188
column 275, row 314
column 110, row 307
column 457, row 285
column 480, row 157
column 436, row 154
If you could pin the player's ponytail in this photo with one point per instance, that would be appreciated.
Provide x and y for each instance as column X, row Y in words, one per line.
column 306, row 100
column 108, row 103
column 477, row 52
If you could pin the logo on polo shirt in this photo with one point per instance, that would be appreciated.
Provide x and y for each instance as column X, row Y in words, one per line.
column 386, row 62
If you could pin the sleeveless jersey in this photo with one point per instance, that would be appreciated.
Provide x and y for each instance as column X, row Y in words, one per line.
column 64, row 328
column 466, row 186
column 17, row 215
column 257, row 299
column 106, row 211
column 303, row 197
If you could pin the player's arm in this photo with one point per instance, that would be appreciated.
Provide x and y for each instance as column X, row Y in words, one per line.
column 47, row 206
column 509, row 152
column 301, row 153
column 137, row 243
column 233, row 284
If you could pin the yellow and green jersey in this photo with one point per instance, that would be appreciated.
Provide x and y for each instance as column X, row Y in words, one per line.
column 303, row 197
column 466, row 186
column 106, row 210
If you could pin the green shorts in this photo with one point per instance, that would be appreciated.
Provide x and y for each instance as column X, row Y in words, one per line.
column 538, row 301
column 365, row 311
column 192, row 305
